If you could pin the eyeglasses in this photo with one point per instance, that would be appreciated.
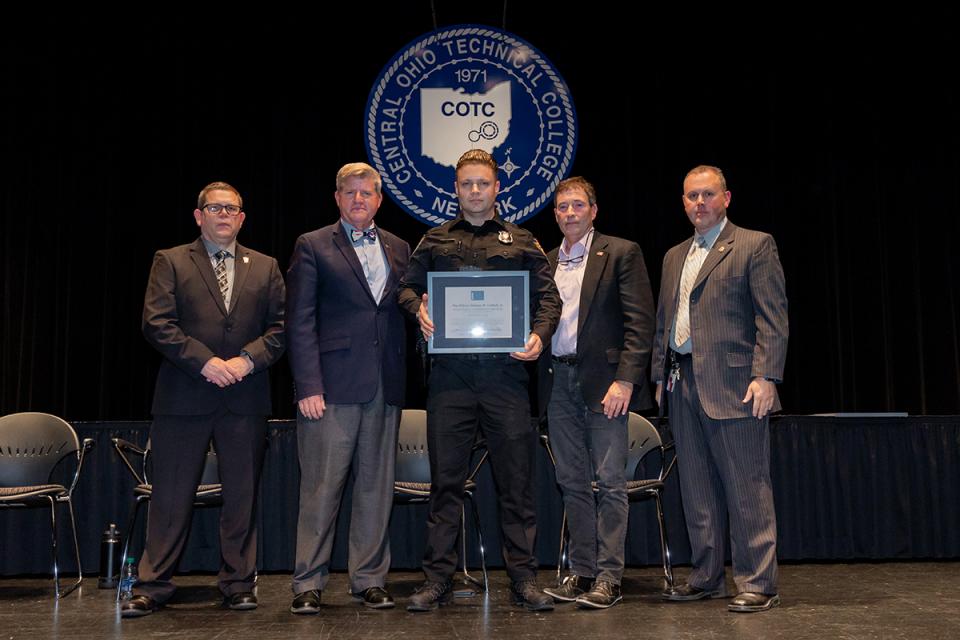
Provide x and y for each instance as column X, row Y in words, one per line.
column 215, row 208
column 569, row 261
column 577, row 205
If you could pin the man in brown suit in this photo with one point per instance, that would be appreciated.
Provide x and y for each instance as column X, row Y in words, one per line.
column 214, row 310
column 720, row 347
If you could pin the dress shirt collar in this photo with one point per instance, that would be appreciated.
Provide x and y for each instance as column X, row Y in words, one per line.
column 212, row 248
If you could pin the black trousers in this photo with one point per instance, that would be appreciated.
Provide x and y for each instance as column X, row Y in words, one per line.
column 486, row 393
column 178, row 449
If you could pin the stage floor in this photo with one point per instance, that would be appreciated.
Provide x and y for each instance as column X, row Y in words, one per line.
column 822, row 601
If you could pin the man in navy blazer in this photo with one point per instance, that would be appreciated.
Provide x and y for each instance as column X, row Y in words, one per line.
column 720, row 348
column 595, row 375
column 347, row 352
column 214, row 311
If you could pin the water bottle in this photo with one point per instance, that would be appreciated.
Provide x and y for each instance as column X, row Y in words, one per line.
column 109, row 558
column 128, row 578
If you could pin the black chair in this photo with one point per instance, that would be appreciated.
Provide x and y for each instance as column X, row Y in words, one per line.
column 412, row 483
column 643, row 439
column 209, row 492
column 31, row 445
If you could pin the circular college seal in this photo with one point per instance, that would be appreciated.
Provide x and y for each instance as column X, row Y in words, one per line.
column 469, row 87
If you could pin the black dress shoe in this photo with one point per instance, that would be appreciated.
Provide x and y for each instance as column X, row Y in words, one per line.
column 572, row 587
column 243, row 601
column 375, row 598
column 603, row 595
column 527, row 594
column 753, row 602
column 306, row 603
column 138, row 606
column 689, row 592
column 430, row 595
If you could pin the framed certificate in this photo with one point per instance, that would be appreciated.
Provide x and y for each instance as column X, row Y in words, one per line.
column 478, row 311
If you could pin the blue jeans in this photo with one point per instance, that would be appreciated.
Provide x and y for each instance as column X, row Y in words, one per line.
column 590, row 447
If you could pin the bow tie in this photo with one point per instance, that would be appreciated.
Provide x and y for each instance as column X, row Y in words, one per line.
column 357, row 234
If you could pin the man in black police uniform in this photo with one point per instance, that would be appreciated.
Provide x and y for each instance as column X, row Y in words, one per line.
column 488, row 391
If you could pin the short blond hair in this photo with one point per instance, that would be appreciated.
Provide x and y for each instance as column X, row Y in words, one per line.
column 358, row 170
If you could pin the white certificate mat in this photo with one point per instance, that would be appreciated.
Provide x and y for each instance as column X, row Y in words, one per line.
column 478, row 312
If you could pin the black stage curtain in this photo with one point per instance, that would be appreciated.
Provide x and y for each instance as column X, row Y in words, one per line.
column 836, row 135
column 845, row 488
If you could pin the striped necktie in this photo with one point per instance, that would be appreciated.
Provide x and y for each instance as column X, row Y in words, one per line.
column 220, row 270
column 698, row 253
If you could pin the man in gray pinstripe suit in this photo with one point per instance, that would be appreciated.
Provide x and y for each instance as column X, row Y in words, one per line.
column 719, row 349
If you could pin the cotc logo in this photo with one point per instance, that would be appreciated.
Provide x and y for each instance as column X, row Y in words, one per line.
column 469, row 87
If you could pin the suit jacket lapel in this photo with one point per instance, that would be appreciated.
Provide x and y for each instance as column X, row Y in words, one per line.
column 721, row 249
column 241, row 268
column 672, row 274
column 350, row 255
column 596, row 261
column 393, row 277
column 198, row 253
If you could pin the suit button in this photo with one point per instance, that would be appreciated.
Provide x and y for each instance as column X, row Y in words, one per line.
column 229, row 327
column 376, row 342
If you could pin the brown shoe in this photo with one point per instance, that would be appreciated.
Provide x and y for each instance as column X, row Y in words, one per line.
column 604, row 595
column 752, row 602
column 138, row 606
column 571, row 588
